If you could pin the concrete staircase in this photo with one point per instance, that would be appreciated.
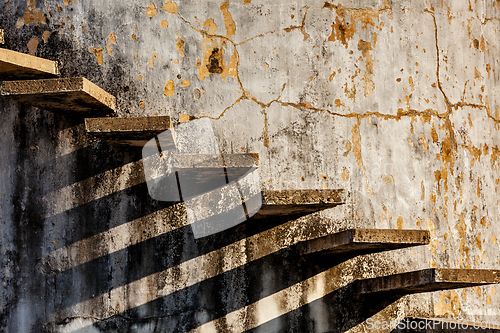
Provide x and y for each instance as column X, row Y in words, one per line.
column 34, row 81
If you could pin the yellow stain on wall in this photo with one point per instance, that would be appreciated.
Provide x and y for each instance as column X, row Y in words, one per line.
column 388, row 179
column 433, row 244
column 228, row 20
column 185, row 83
column 45, row 36
column 213, row 61
column 97, row 52
column 151, row 10
column 399, row 223
column 169, row 89
column 111, row 41
column 33, row 14
column 365, row 48
column 20, row 23
column 170, row 7
column 345, row 174
column 164, row 24
column 32, row 45
column 151, row 63
column 449, row 303
column 179, row 46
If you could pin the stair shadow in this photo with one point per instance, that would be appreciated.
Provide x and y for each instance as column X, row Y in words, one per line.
column 218, row 296
column 155, row 255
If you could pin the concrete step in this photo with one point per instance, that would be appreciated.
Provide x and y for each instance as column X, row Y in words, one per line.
column 19, row 66
column 354, row 242
column 296, row 203
column 71, row 96
column 427, row 280
column 132, row 132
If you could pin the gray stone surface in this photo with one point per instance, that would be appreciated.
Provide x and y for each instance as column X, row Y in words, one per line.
column 393, row 101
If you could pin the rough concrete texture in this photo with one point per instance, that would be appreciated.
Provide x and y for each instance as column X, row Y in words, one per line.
column 15, row 66
column 69, row 96
column 394, row 101
column 1, row 37
column 131, row 131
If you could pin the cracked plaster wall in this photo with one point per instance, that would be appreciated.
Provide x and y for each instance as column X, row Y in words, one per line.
column 395, row 101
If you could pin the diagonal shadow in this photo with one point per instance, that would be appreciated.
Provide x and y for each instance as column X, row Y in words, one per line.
column 155, row 255
column 220, row 295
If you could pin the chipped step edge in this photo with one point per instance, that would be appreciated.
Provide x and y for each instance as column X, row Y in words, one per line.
column 390, row 237
column 428, row 280
column 29, row 62
column 52, row 86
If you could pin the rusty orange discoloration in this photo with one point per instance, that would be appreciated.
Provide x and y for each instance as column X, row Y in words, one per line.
column 179, row 46
column 185, row 83
column 169, row 89
column 111, row 41
column 34, row 14
column 366, row 48
column 164, row 24
column 151, row 61
column 45, row 36
column 33, row 45
column 97, row 52
column 170, row 7
column 356, row 141
column 345, row 174
column 151, row 10
column 343, row 30
column 400, row 223
column 449, row 303
column 214, row 48
column 228, row 20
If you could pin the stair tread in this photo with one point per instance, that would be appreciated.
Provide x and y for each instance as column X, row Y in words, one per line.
column 131, row 131
column 298, row 202
column 355, row 242
column 67, row 96
column 19, row 66
column 428, row 280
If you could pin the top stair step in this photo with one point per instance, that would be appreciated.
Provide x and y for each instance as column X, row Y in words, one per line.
column 71, row 96
column 19, row 66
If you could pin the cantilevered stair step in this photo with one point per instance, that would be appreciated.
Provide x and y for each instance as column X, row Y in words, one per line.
column 19, row 66
column 71, row 96
column 132, row 132
column 298, row 202
column 427, row 280
column 355, row 242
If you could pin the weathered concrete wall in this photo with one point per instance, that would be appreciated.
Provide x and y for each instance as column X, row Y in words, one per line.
column 394, row 101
